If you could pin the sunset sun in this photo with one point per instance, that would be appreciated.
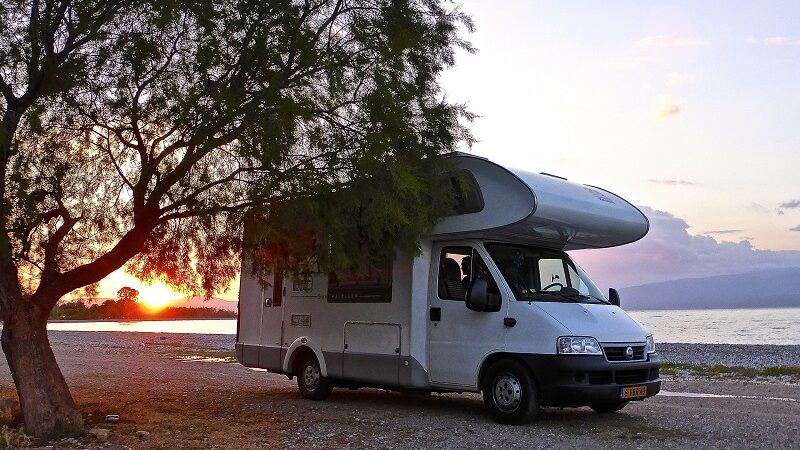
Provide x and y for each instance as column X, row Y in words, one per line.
column 157, row 296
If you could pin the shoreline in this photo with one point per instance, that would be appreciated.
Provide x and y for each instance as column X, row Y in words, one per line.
column 132, row 320
column 659, row 344
column 746, row 308
column 755, row 356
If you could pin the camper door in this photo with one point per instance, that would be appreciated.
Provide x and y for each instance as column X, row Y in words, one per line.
column 271, row 322
column 460, row 338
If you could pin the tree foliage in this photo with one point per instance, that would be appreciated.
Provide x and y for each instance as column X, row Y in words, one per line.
column 141, row 132
column 174, row 117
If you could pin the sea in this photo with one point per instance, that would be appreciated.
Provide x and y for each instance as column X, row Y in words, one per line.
column 779, row 326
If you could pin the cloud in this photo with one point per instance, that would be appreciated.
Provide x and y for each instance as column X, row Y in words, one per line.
column 630, row 63
column 723, row 232
column 673, row 182
column 781, row 41
column 677, row 79
column 791, row 204
column 774, row 41
column 758, row 207
column 797, row 228
column 673, row 40
column 669, row 252
column 667, row 106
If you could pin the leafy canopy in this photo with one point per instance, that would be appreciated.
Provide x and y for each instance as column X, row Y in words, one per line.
column 143, row 131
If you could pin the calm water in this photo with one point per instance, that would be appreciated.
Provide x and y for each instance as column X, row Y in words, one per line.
column 729, row 326
column 207, row 326
column 724, row 326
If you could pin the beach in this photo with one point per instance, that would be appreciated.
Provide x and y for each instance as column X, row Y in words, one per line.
column 186, row 391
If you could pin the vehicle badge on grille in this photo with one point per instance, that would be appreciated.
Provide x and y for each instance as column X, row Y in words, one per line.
column 628, row 353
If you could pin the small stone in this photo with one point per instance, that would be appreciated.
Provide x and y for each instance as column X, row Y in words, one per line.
column 142, row 434
column 112, row 418
column 101, row 434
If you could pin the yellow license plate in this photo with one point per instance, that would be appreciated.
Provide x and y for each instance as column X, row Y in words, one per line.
column 633, row 392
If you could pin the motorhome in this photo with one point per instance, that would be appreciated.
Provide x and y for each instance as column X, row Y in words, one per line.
column 491, row 304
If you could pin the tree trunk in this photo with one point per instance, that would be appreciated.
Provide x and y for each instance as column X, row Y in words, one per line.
column 47, row 405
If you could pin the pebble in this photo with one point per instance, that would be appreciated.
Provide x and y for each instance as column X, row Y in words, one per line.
column 142, row 434
column 101, row 434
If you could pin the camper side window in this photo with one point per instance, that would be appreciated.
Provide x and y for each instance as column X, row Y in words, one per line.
column 466, row 192
column 302, row 282
column 370, row 286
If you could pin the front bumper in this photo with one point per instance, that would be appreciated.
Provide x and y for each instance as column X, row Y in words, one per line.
column 583, row 380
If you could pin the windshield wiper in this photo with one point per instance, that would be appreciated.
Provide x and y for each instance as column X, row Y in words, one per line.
column 572, row 297
column 605, row 302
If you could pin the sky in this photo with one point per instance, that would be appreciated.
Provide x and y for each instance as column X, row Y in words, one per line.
column 687, row 109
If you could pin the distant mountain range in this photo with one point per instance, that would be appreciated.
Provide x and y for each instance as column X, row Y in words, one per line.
column 200, row 302
column 186, row 302
column 775, row 288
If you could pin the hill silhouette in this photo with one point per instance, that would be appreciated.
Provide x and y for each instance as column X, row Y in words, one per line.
column 775, row 288
column 124, row 309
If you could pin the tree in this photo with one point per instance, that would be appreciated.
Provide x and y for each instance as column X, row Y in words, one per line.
column 139, row 132
column 127, row 294
column 127, row 299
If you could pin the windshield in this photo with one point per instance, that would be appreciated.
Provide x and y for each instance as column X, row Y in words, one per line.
column 536, row 274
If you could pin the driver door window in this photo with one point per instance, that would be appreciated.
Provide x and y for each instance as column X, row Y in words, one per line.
column 458, row 266
column 454, row 269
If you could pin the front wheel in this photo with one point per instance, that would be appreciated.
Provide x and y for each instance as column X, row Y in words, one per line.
column 310, row 382
column 510, row 393
column 605, row 408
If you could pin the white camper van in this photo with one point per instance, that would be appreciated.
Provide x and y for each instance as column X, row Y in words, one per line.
column 492, row 304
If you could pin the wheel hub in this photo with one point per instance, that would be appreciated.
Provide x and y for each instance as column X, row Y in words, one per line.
column 311, row 376
column 507, row 392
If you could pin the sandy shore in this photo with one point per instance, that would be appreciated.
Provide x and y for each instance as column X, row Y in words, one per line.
column 183, row 392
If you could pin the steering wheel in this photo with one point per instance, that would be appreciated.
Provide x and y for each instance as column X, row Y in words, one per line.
column 552, row 285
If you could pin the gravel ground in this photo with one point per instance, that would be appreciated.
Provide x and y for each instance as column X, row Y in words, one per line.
column 754, row 356
column 163, row 384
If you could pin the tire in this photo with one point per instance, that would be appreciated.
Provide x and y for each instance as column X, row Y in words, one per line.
column 310, row 382
column 509, row 393
column 605, row 408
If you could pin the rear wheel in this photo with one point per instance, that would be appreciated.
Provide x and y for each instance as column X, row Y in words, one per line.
column 605, row 408
column 510, row 393
column 310, row 382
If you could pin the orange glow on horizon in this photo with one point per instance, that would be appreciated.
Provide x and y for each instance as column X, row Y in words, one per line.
column 157, row 296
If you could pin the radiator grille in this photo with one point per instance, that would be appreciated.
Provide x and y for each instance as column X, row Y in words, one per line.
column 618, row 352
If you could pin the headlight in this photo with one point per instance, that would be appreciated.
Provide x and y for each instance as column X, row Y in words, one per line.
column 650, row 345
column 578, row 346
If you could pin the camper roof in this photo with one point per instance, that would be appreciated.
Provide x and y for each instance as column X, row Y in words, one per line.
column 540, row 209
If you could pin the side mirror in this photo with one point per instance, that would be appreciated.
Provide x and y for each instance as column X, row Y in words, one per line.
column 613, row 296
column 479, row 299
column 477, row 295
